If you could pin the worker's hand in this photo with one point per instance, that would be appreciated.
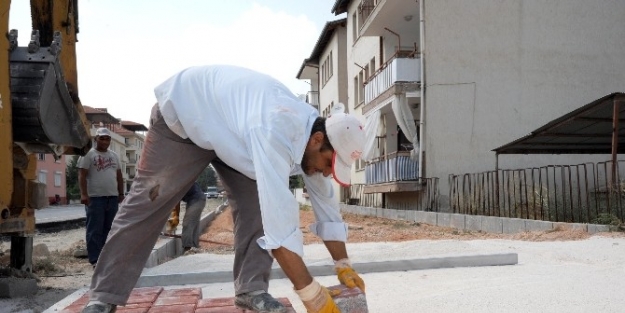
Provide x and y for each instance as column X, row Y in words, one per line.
column 84, row 199
column 120, row 198
column 347, row 275
column 317, row 299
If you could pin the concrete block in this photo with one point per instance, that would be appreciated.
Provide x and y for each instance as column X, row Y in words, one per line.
column 390, row 214
column 457, row 221
column 443, row 219
column 13, row 287
column 425, row 217
column 513, row 225
column 379, row 212
column 473, row 222
column 492, row 224
column 533, row 225
column 570, row 226
column 594, row 228
column 411, row 215
column 349, row 300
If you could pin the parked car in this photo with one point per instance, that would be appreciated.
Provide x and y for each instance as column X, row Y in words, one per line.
column 211, row 192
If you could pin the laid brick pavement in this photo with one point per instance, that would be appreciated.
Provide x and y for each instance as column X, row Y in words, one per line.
column 158, row 300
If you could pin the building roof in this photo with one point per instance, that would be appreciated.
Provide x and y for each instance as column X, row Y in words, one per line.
column 134, row 126
column 587, row 130
column 322, row 42
column 97, row 116
column 340, row 6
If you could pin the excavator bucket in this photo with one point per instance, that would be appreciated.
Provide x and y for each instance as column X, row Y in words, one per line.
column 45, row 119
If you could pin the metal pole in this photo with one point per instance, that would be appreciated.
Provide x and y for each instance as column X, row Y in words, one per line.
column 615, row 118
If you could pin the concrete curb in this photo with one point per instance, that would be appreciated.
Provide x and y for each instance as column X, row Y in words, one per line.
column 489, row 224
column 168, row 248
column 328, row 270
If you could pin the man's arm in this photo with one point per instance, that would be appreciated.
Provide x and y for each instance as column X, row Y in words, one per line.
column 120, row 182
column 337, row 249
column 82, row 184
column 120, row 185
column 293, row 266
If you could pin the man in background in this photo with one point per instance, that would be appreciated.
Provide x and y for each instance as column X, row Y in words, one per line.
column 101, row 190
column 195, row 201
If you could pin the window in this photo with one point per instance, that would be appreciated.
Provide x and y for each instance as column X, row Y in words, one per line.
column 354, row 27
column 41, row 157
column 42, row 177
column 326, row 69
column 360, row 165
column 361, row 87
column 57, row 179
column 356, row 101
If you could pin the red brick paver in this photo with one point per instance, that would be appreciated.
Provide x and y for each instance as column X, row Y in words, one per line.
column 157, row 300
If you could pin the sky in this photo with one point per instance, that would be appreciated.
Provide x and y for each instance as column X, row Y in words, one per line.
column 126, row 48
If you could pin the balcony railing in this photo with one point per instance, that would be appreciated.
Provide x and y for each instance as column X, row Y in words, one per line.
column 312, row 98
column 397, row 166
column 396, row 70
column 365, row 8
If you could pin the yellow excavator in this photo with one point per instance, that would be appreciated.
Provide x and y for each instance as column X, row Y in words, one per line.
column 40, row 112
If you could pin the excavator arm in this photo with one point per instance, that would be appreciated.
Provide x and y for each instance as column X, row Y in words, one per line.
column 40, row 112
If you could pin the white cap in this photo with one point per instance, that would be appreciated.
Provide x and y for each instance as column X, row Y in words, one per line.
column 347, row 136
column 102, row 131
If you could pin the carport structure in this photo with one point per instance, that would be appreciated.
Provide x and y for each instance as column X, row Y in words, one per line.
column 580, row 193
column 595, row 128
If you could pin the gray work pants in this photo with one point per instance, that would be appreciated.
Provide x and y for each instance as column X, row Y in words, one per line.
column 194, row 205
column 168, row 167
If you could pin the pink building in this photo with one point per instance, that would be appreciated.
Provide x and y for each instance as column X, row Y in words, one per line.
column 52, row 173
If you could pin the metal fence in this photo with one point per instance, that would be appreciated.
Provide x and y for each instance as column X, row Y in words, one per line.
column 582, row 193
column 355, row 195
column 427, row 197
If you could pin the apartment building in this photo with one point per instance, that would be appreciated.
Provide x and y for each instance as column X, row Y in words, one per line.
column 442, row 83
column 134, row 137
column 51, row 171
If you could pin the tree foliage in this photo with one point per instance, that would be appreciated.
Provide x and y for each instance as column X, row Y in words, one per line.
column 71, row 179
column 208, row 178
column 296, row 182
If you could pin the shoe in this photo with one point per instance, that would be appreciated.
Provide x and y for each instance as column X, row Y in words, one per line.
column 263, row 302
column 100, row 308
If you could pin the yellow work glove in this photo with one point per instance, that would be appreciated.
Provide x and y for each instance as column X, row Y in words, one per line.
column 347, row 276
column 317, row 299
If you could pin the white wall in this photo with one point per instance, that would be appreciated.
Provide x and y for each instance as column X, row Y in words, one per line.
column 504, row 68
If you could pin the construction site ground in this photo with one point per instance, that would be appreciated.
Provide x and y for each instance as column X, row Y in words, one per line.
column 553, row 265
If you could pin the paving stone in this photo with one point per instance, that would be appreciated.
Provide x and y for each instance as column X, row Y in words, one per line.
column 168, row 301
column 179, row 308
column 132, row 310
column 350, row 300
column 215, row 302
column 12, row 287
column 182, row 292
column 221, row 309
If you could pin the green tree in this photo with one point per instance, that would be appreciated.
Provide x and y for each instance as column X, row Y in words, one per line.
column 296, row 182
column 71, row 179
column 207, row 178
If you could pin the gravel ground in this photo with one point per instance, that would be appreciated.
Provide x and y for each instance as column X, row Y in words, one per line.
column 55, row 265
column 61, row 273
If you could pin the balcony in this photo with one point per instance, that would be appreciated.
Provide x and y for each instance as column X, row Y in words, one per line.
column 131, row 148
column 378, row 15
column 312, row 98
column 400, row 75
column 393, row 172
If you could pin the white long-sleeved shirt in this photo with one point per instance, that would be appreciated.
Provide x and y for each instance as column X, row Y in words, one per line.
column 258, row 127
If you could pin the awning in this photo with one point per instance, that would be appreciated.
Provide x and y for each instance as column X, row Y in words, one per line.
column 587, row 130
